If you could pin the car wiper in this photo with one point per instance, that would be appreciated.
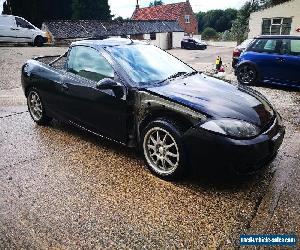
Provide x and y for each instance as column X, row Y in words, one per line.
column 180, row 73
column 192, row 73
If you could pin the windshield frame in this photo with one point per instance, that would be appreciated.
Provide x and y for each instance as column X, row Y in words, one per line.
column 133, row 83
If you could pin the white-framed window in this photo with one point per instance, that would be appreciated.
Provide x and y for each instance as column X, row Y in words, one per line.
column 152, row 36
column 187, row 18
column 276, row 26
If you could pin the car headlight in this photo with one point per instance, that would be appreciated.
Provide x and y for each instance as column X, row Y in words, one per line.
column 231, row 127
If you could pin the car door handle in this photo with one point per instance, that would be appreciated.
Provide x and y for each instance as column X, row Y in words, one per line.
column 65, row 87
column 14, row 29
column 279, row 59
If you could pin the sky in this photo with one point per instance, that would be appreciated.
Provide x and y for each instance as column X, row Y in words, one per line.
column 125, row 8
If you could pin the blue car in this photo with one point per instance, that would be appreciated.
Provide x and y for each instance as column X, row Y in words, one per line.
column 271, row 59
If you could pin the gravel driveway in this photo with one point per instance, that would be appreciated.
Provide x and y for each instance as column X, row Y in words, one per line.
column 62, row 188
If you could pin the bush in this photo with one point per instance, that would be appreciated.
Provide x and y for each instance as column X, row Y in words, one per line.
column 209, row 34
column 226, row 36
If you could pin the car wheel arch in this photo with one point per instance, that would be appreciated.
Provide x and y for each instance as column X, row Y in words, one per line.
column 35, row 41
column 27, row 89
column 178, row 119
column 254, row 65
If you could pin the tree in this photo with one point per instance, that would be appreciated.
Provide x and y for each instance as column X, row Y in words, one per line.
column 240, row 27
column 43, row 10
column 209, row 33
column 220, row 20
column 6, row 8
column 275, row 2
column 156, row 3
column 121, row 19
column 91, row 9
column 57, row 9
column 200, row 16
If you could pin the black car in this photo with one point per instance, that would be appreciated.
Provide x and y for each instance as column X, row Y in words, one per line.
column 140, row 96
column 193, row 43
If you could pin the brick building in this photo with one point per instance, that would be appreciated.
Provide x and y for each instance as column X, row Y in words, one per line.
column 180, row 12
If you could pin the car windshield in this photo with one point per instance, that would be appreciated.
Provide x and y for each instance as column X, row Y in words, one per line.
column 147, row 64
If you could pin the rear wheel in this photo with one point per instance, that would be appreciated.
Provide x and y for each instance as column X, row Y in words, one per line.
column 247, row 74
column 163, row 150
column 36, row 109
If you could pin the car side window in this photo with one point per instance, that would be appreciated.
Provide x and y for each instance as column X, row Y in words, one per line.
column 23, row 24
column 290, row 47
column 266, row 46
column 89, row 63
column 295, row 48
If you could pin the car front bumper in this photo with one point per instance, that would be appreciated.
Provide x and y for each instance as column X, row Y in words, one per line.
column 45, row 39
column 206, row 149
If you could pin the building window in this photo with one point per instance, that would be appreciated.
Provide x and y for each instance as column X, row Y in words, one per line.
column 276, row 26
column 187, row 18
column 152, row 36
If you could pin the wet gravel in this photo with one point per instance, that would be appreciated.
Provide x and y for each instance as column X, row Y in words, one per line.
column 12, row 59
column 62, row 188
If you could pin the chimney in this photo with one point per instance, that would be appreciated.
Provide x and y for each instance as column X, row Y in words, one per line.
column 137, row 4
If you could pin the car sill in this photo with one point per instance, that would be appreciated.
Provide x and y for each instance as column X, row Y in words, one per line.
column 92, row 132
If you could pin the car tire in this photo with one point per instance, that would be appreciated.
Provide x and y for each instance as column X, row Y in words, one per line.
column 163, row 150
column 247, row 74
column 36, row 108
column 38, row 41
column 233, row 64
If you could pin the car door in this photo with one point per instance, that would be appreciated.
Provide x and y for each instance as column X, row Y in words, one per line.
column 8, row 29
column 290, row 51
column 265, row 54
column 24, row 30
column 102, row 111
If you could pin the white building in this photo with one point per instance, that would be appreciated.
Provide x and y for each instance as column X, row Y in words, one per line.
column 282, row 19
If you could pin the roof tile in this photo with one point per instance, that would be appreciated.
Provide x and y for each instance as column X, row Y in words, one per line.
column 160, row 12
column 69, row 29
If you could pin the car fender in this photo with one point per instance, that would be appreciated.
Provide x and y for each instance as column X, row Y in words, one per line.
column 150, row 107
column 38, row 32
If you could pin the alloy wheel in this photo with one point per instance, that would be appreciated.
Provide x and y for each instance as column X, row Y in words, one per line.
column 247, row 74
column 161, row 151
column 35, row 106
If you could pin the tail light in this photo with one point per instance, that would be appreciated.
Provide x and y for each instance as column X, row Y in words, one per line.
column 236, row 53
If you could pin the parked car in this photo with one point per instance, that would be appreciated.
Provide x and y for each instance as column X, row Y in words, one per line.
column 14, row 29
column 193, row 43
column 141, row 96
column 271, row 59
column 238, row 50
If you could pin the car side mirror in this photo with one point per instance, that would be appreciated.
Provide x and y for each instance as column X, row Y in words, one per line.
column 108, row 83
